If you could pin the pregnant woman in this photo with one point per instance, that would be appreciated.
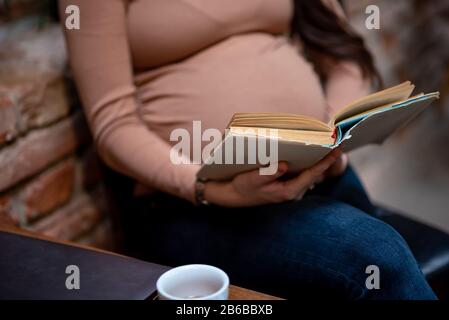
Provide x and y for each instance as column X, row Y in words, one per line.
column 144, row 68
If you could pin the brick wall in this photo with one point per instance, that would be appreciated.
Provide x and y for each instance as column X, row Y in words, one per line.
column 49, row 173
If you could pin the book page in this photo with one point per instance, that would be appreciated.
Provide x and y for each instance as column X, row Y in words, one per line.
column 362, row 115
column 278, row 121
column 376, row 127
column 305, row 136
column 382, row 98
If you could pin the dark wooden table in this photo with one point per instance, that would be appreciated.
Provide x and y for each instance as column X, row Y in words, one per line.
column 235, row 293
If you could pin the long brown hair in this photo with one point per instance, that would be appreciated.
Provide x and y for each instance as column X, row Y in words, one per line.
column 328, row 38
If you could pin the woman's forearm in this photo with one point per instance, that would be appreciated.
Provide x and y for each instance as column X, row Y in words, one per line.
column 101, row 64
column 131, row 148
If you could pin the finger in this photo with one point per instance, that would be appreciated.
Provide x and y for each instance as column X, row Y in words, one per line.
column 319, row 179
column 336, row 153
column 257, row 179
column 339, row 166
column 309, row 176
column 323, row 165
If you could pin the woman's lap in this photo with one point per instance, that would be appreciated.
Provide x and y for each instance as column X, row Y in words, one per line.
column 316, row 247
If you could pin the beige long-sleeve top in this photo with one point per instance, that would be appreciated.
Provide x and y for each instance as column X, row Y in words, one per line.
column 146, row 67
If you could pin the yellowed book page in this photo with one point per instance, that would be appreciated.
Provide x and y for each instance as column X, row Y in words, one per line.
column 377, row 127
column 307, row 137
column 278, row 121
column 385, row 107
column 391, row 95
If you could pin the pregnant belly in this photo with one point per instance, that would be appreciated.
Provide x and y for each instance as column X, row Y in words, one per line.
column 245, row 73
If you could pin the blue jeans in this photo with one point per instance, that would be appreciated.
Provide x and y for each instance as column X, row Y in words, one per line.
column 316, row 248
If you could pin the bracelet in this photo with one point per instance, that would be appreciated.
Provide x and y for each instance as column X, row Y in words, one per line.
column 200, row 187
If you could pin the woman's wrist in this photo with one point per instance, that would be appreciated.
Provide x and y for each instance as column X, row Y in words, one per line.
column 200, row 186
column 211, row 188
column 219, row 193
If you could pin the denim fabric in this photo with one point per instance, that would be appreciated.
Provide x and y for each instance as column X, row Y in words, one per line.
column 316, row 248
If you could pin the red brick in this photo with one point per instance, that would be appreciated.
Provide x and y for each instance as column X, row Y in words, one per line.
column 30, row 49
column 5, row 207
column 4, row 202
column 42, row 101
column 32, row 69
column 37, row 101
column 6, row 220
column 49, row 190
column 19, row 8
column 101, row 236
column 81, row 215
column 12, row 209
column 39, row 149
column 8, row 118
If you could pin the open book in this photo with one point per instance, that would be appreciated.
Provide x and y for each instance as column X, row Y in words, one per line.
column 303, row 141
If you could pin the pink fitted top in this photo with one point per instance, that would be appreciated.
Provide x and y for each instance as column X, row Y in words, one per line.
column 146, row 67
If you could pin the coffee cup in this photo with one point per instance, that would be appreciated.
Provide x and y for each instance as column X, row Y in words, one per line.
column 193, row 282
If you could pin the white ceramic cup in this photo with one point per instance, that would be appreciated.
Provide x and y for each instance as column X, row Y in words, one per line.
column 193, row 282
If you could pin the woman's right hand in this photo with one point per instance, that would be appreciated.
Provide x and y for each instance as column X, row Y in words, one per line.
column 252, row 189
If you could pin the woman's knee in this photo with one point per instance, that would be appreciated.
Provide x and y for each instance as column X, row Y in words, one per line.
column 391, row 270
column 381, row 246
column 367, row 238
column 359, row 243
